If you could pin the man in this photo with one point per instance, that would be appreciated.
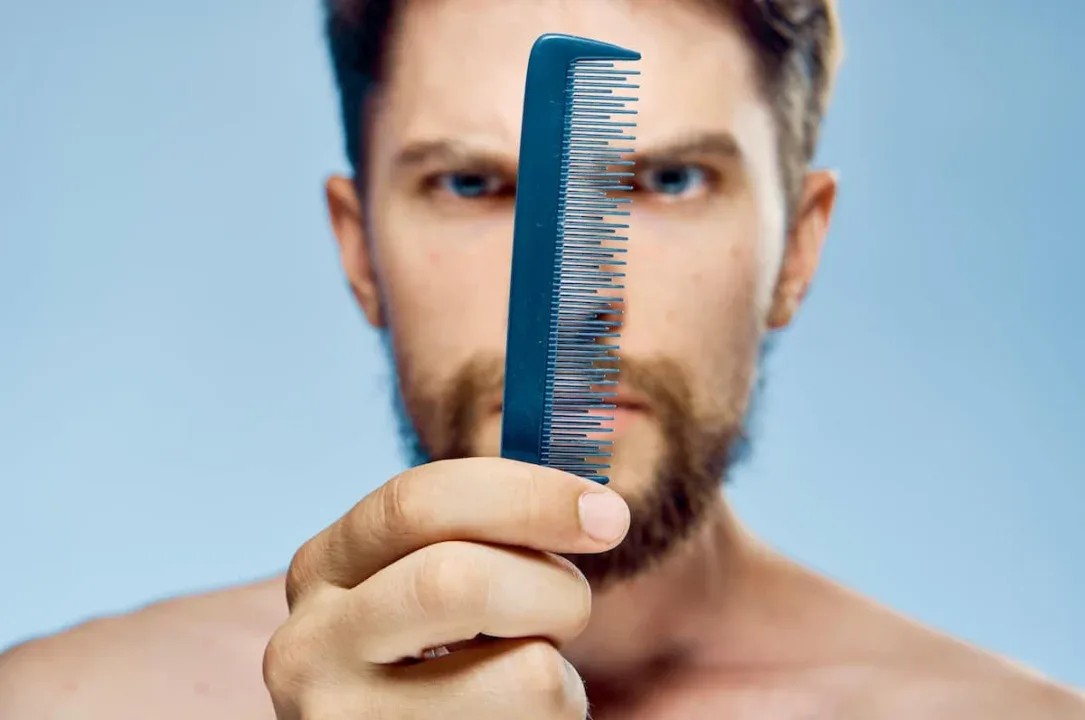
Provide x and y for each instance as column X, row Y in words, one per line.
column 472, row 587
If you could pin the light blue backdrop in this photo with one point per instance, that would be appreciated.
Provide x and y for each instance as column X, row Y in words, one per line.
column 187, row 393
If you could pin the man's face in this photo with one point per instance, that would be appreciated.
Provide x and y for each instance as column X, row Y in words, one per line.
column 711, row 262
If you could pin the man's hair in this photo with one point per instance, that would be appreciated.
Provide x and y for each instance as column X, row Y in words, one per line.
column 796, row 46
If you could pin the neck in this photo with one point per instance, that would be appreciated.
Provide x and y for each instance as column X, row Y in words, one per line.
column 660, row 616
column 721, row 602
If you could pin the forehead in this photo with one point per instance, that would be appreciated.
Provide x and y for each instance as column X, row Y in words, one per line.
column 457, row 68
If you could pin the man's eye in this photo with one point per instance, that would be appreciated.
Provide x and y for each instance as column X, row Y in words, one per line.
column 470, row 185
column 674, row 181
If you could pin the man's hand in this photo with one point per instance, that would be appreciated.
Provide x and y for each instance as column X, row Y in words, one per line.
column 438, row 556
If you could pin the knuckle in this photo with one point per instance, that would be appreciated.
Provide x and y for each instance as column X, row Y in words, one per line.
column 530, row 497
column 550, row 681
column 300, row 575
column 538, row 499
column 579, row 601
column 401, row 504
column 581, row 612
column 543, row 673
column 295, row 649
column 453, row 578
column 282, row 668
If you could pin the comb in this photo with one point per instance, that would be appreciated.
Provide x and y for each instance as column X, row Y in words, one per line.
column 561, row 361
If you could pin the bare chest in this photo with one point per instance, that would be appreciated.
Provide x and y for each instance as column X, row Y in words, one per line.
column 714, row 698
column 833, row 695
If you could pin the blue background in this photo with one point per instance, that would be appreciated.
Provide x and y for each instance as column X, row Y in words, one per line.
column 187, row 392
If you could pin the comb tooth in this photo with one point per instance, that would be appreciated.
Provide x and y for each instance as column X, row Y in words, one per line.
column 585, row 322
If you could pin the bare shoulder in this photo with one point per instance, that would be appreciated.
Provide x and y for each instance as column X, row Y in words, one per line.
column 197, row 656
column 945, row 679
column 871, row 662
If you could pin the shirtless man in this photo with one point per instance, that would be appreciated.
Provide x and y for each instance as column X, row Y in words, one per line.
column 471, row 588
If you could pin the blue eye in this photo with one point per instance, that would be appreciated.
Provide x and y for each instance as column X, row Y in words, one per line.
column 470, row 185
column 674, row 180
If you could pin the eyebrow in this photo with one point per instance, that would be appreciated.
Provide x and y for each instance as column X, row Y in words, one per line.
column 720, row 144
column 447, row 151
column 450, row 152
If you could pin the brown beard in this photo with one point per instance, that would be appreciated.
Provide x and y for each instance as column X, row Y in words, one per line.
column 687, row 479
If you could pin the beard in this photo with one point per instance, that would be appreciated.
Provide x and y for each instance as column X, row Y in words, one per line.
column 685, row 484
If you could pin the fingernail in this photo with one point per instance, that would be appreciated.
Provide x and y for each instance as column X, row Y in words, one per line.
column 603, row 515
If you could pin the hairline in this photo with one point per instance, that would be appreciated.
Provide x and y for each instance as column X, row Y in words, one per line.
column 791, row 136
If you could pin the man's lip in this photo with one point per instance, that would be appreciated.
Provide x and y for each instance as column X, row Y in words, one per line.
column 628, row 404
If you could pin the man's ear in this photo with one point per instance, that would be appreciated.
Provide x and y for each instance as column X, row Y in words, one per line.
column 804, row 245
column 345, row 212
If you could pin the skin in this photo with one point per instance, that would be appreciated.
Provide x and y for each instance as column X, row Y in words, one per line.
column 723, row 627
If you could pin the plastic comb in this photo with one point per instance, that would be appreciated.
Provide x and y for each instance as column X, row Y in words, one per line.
column 561, row 362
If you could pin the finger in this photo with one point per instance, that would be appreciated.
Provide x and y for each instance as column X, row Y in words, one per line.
column 522, row 679
column 454, row 591
column 488, row 500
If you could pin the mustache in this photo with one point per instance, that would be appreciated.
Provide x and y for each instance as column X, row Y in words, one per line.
column 438, row 424
column 654, row 382
column 659, row 386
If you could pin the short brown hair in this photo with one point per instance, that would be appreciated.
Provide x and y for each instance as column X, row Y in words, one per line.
column 796, row 43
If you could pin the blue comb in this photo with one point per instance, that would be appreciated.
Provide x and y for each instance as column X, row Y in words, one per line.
column 560, row 360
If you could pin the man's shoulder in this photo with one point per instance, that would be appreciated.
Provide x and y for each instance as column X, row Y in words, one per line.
column 886, row 665
column 952, row 680
column 196, row 656
column 1008, row 694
